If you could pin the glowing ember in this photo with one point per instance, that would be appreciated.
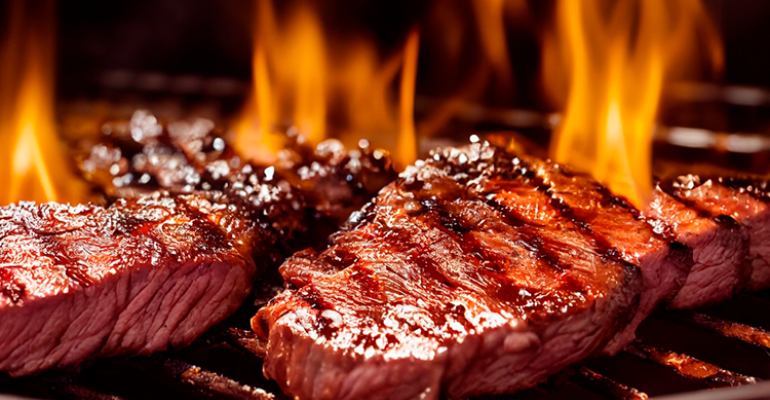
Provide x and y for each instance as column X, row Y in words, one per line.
column 340, row 88
column 30, row 156
column 620, row 55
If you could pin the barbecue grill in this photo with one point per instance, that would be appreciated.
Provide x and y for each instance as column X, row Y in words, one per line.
column 719, row 353
column 722, row 352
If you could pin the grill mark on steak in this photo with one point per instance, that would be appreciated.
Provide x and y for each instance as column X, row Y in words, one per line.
column 746, row 208
column 719, row 245
column 460, row 231
column 531, row 238
column 526, row 169
column 530, row 231
column 319, row 186
column 665, row 264
column 445, row 292
column 140, row 276
column 491, row 262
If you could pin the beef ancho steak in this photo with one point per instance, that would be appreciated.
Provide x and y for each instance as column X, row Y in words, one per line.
column 744, row 200
column 720, row 248
column 140, row 276
column 475, row 272
column 664, row 262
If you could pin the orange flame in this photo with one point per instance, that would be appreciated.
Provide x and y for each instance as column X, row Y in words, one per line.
column 341, row 88
column 620, row 55
column 455, row 39
column 407, row 138
column 31, row 159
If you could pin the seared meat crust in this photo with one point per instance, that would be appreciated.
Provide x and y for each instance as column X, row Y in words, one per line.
column 470, row 274
column 137, row 277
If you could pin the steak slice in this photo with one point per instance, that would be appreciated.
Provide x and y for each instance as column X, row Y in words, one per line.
column 461, row 278
column 720, row 246
column 614, row 224
column 142, row 155
column 741, row 199
column 137, row 277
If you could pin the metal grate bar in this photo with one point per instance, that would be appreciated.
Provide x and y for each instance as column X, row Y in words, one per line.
column 245, row 340
column 690, row 367
column 746, row 333
column 606, row 386
column 203, row 381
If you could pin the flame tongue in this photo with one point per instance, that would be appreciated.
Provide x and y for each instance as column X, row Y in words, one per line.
column 342, row 88
column 30, row 156
column 619, row 61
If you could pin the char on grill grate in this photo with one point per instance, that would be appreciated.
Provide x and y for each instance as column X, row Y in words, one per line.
column 479, row 271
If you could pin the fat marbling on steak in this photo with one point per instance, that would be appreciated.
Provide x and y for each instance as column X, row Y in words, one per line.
column 476, row 272
column 137, row 277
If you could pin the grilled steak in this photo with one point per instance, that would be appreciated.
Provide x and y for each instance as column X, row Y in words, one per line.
column 720, row 247
column 475, row 272
column 142, row 155
column 174, row 254
column 741, row 199
column 664, row 262
column 137, row 277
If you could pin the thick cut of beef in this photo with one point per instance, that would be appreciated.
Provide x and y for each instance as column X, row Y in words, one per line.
column 142, row 155
column 137, row 277
column 617, row 226
column 742, row 199
column 720, row 247
column 468, row 275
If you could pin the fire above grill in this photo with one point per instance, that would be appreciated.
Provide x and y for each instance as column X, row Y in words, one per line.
column 225, row 362
column 676, row 352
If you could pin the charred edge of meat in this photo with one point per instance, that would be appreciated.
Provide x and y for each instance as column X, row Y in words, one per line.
column 412, row 226
column 672, row 186
column 756, row 186
column 688, row 173
column 144, row 155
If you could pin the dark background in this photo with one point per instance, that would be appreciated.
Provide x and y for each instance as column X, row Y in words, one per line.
column 213, row 38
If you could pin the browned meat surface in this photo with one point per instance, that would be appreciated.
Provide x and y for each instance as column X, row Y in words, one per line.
column 720, row 246
column 470, row 274
column 664, row 263
column 743, row 200
column 137, row 277
column 327, row 182
column 190, row 227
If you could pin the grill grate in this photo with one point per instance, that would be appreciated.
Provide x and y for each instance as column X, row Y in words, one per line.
column 725, row 350
column 677, row 354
